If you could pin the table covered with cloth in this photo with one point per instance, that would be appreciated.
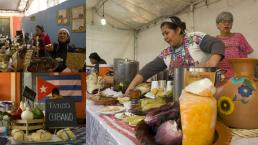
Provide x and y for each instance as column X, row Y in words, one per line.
column 102, row 129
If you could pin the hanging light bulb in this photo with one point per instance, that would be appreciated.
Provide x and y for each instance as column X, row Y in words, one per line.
column 103, row 20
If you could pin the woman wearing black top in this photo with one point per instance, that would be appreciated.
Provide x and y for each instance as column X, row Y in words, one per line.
column 96, row 60
column 59, row 50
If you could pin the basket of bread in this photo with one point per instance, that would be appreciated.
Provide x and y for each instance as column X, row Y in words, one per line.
column 42, row 136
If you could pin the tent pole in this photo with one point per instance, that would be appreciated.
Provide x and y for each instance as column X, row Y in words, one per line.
column 135, row 45
column 192, row 15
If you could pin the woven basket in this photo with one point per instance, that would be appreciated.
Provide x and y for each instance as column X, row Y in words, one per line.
column 245, row 132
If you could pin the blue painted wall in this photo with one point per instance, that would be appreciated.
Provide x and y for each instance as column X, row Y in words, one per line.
column 47, row 19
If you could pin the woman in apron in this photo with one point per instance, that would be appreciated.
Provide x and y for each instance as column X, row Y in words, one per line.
column 185, row 50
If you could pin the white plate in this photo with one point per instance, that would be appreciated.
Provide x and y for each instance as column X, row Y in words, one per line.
column 111, row 109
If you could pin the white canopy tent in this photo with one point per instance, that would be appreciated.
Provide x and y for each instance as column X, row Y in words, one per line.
column 132, row 29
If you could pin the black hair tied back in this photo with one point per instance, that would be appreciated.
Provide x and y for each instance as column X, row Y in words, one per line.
column 174, row 23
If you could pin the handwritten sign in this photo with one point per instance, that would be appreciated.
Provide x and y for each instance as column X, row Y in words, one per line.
column 29, row 93
column 60, row 113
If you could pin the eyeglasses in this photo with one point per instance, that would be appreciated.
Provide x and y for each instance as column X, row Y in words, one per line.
column 226, row 21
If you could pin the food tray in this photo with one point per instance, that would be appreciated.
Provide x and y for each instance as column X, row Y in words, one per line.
column 108, row 101
column 54, row 140
column 28, row 125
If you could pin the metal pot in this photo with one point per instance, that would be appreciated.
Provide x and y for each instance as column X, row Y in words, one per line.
column 218, row 72
column 179, row 78
column 124, row 72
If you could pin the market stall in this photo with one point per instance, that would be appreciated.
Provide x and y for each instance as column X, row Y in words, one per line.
column 31, row 42
column 162, row 110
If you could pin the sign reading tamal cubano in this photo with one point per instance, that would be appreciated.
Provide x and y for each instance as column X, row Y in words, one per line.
column 60, row 113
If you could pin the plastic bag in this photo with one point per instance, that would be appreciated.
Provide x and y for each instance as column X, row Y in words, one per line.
column 198, row 115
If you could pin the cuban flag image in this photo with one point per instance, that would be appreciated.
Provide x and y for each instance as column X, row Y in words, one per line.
column 68, row 85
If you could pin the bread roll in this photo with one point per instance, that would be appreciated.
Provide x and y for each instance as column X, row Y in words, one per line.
column 66, row 134
column 41, row 135
column 18, row 135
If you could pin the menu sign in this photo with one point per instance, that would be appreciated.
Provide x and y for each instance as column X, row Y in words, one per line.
column 60, row 113
column 29, row 93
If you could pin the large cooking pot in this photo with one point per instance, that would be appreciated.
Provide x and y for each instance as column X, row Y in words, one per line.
column 124, row 72
column 180, row 77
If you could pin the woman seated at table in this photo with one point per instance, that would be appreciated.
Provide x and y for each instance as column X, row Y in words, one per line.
column 59, row 50
column 236, row 46
column 40, row 39
column 185, row 50
column 96, row 60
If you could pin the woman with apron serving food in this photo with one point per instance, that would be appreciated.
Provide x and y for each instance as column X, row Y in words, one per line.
column 185, row 50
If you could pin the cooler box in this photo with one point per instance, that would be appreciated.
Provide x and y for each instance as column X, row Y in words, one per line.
column 104, row 68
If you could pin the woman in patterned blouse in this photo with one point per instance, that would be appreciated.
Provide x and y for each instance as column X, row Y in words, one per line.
column 236, row 46
column 185, row 49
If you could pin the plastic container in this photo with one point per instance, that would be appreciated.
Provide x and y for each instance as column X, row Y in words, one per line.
column 104, row 69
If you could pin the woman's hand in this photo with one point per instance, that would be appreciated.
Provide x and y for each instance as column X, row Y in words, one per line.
column 129, row 89
column 136, row 81
column 49, row 47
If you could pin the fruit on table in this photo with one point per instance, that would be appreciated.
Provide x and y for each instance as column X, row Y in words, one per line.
column 37, row 114
column 27, row 114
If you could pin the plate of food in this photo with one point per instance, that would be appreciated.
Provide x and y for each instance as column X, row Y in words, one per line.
column 133, row 120
column 103, row 100
column 123, row 115
column 111, row 109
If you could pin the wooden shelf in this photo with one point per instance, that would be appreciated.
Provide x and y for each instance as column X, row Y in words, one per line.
column 28, row 125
